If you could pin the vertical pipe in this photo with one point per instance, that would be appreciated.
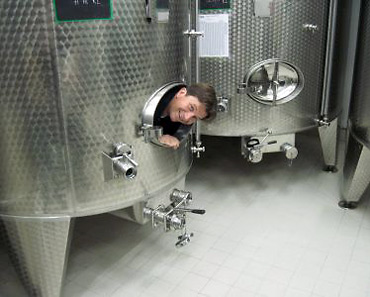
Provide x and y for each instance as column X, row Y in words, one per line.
column 196, row 24
column 329, row 59
column 198, row 141
column 345, row 84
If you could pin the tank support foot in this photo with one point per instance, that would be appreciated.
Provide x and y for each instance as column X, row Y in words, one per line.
column 39, row 249
column 348, row 204
column 330, row 168
column 328, row 137
column 356, row 172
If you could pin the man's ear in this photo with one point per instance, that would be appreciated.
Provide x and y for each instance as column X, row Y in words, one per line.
column 182, row 91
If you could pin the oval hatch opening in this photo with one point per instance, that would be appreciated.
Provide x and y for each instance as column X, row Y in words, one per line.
column 274, row 82
column 153, row 123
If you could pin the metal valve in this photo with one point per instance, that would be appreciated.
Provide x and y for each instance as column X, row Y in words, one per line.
column 183, row 239
column 222, row 104
column 253, row 147
column 120, row 162
column 173, row 217
column 290, row 151
column 180, row 196
column 197, row 150
column 323, row 122
column 254, row 155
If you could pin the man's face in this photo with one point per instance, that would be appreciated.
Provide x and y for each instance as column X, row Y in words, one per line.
column 186, row 109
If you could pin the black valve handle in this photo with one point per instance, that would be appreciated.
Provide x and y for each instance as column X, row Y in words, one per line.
column 253, row 142
column 198, row 211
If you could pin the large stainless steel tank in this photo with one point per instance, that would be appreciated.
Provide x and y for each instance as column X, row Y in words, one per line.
column 71, row 93
column 356, row 170
column 273, row 81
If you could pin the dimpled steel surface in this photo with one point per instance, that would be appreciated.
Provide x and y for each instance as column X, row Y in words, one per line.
column 69, row 91
column 360, row 104
column 254, row 39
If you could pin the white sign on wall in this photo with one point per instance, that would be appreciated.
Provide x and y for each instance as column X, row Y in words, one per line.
column 215, row 42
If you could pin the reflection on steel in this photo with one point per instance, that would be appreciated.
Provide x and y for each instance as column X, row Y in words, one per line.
column 356, row 172
column 328, row 132
column 275, row 72
column 273, row 82
column 310, row 27
column 68, row 93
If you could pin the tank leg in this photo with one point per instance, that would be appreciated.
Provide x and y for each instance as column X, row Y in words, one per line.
column 328, row 137
column 356, row 173
column 39, row 249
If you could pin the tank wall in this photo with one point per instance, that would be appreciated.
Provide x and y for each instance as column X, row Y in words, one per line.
column 344, row 56
column 360, row 102
column 253, row 39
column 72, row 89
column 32, row 151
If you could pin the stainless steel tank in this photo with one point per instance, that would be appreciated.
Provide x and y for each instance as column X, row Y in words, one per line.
column 73, row 84
column 272, row 81
column 356, row 170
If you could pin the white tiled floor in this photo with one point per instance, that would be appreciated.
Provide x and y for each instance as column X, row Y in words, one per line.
column 270, row 231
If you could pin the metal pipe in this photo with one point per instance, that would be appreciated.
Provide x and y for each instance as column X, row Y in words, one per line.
column 329, row 59
column 198, row 140
column 196, row 24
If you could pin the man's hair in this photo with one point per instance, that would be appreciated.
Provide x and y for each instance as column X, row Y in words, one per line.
column 206, row 95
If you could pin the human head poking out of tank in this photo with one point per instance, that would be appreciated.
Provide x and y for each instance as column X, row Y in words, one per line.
column 180, row 108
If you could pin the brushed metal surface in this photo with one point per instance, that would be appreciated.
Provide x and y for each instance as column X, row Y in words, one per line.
column 39, row 248
column 70, row 90
column 254, row 39
column 329, row 142
column 360, row 102
column 356, row 171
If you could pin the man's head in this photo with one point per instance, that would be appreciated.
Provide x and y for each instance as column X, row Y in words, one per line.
column 196, row 102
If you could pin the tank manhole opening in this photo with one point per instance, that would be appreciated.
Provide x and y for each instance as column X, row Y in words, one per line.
column 152, row 120
column 274, row 82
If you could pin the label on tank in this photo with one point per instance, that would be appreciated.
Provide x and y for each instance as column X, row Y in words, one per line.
column 215, row 42
column 163, row 11
column 215, row 4
column 81, row 10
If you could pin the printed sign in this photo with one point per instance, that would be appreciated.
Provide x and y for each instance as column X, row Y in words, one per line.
column 79, row 10
column 215, row 4
column 215, row 42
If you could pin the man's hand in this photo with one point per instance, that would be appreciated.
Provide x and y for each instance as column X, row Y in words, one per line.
column 170, row 141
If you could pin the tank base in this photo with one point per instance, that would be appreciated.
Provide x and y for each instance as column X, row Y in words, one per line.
column 347, row 204
column 330, row 168
column 329, row 139
column 356, row 172
column 38, row 248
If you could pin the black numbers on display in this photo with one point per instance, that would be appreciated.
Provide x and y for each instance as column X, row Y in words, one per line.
column 215, row 4
column 79, row 10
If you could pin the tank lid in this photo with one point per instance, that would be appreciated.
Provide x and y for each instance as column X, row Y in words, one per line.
column 274, row 82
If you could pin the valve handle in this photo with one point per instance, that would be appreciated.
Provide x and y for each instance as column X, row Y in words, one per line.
column 196, row 211
column 199, row 211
